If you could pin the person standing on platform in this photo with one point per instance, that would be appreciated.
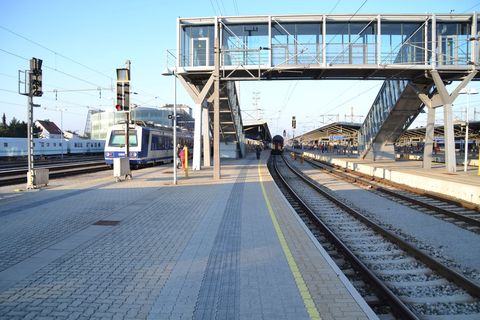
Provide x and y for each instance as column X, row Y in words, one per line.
column 181, row 155
column 179, row 159
column 258, row 150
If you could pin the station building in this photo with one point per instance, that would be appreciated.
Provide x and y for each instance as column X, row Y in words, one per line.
column 100, row 122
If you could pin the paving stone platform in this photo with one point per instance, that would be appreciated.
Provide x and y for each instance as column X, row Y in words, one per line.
column 231, row 249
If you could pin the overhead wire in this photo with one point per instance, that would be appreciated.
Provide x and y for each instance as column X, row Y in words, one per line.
column 221, row 2
column 235, row 7
column 334, row 7
column 473, row 7
column 65, row 57
column 55, row 52
column 296, row 83
column 53, row 69
column 219, row 9
column 12, row 103
column 213, row 8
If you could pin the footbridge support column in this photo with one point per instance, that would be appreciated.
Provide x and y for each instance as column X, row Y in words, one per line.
column 206, row 137
column 199, row 98
column 442, row 98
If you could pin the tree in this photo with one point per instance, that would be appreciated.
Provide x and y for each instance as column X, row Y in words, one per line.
column 16, row 129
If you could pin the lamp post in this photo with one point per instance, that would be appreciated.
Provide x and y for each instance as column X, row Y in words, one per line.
column 468, row 92
column 172, row 72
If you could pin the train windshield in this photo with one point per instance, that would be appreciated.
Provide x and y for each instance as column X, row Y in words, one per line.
column 117, row 139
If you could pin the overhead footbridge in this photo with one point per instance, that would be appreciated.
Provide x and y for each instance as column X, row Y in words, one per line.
column 415, row 54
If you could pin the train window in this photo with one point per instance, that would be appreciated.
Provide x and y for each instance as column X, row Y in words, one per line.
column 48, row 144
column 59, row 144
column 117, row 139
column 156, row 143
column 42, row 144
column 5, row 144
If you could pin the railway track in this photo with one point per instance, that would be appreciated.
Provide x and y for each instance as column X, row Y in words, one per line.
column 15, row 176
column 16, row 164
column 464, row 216
column 395, row 278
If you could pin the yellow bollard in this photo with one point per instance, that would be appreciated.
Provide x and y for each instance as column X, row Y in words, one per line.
column 185, row 150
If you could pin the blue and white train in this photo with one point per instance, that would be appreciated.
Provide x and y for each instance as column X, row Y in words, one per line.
column 16, row 148
column 148, row 144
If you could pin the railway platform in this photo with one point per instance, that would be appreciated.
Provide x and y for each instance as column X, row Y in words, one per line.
column 461, row 186
column 87, row 247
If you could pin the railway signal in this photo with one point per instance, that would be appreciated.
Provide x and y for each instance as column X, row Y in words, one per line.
column 123, row 90
column 294, row 122
column 36, row 77
column 32, row 88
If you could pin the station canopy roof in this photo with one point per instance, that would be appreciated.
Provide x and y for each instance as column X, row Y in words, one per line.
column 332, row 131
column 257, row 130
column 458, row 129
column 348, row 130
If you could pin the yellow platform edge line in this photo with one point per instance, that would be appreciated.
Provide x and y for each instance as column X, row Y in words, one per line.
column 302, row 287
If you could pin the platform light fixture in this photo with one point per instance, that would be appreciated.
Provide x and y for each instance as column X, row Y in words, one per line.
column 172, row 72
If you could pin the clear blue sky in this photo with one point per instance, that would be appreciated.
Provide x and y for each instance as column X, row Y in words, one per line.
column 83, row 42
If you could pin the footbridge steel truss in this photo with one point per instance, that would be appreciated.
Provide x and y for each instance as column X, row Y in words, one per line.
column 416, row 54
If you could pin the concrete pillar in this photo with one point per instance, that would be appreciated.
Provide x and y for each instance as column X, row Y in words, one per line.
column 206, row 137
column 197, row 139
column 450, row 156
column 429, row 135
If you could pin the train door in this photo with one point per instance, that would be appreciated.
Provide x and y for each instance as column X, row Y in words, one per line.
column 145, row 143
column 199, row 52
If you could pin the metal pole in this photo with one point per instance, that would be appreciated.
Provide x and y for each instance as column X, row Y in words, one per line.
column 127, row 128
column 175, row 128
column 30, row 173
column 216, row 107
column 61, row 129
column 465, row 161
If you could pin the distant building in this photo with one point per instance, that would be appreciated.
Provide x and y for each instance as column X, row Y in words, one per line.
column 100, row 122
column 71, row 135
column 49, row 129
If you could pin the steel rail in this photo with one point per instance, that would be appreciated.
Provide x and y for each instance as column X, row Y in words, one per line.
column 397, row 305
column 20, row 176
column 357, row 179
column 455, row 277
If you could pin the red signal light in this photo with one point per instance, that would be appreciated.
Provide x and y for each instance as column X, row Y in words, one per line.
column 118, row 107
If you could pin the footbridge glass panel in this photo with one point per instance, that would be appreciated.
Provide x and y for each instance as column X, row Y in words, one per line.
column 403, row 43
column 197, row 46
column 242, row 44
column 453, row 40
column 296, row 43
column 351, row 43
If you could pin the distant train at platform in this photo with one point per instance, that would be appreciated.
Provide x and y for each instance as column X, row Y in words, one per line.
column 148, row 144
column 16, row 148
column 277, row 144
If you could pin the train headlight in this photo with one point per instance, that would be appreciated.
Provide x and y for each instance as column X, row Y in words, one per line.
column 108, row 154
column 133, row 154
